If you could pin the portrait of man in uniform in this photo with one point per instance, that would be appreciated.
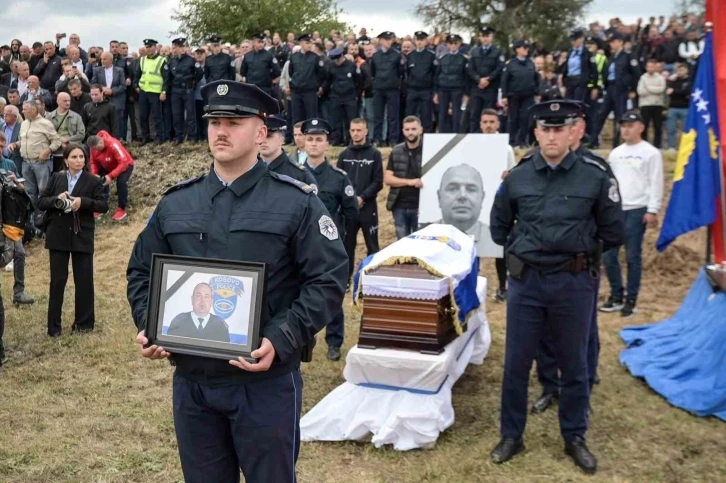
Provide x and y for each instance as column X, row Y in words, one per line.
column 200, row 323
column 461, row 195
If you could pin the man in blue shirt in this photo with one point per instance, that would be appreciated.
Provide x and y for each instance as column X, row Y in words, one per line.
column 579, row 70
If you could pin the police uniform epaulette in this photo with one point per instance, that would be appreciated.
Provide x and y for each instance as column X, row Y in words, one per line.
column 527, row 157
column 341, row 171
column 298, row 166
column 306, row 188
column 592, row 162
column 183, row 184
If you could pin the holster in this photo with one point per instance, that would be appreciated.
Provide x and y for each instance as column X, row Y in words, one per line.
column 307, row 351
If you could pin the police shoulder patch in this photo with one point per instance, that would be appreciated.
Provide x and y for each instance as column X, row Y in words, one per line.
column 349, row 191
column 183, row 184
column 613, row 194
column 634, row 62
column 593, row 60
column 306, row 188
column 328, row 228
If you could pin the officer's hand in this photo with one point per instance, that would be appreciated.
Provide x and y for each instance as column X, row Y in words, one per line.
column 669, row 91
column 360, row 202
column 593, row 94
column 504, row 173
column 483, row 82
column 265, row 354
column 651, row 220
column 504, row 102
column 162, row 97
column 436, row 98
column 128, row 82
column 152, row 352
column 631, row 95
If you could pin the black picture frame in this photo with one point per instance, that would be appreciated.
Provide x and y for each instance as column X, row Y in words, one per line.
column 224, row 273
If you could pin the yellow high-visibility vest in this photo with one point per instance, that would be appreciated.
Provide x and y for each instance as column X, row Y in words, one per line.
column 151, row 79
column 600, row 61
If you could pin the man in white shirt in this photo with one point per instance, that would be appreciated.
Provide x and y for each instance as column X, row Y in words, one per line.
column 638, row 167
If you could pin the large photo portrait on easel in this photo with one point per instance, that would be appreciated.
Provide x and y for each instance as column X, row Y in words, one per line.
column 461, row 175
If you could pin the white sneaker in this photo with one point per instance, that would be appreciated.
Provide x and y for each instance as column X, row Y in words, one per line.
column 9, row 267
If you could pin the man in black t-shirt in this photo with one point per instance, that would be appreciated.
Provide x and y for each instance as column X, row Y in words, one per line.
column 403, row 175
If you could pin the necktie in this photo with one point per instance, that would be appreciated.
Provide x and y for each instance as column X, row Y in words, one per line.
column 200, row 323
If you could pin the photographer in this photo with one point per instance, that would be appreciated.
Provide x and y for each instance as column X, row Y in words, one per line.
column 111, row 161
column 70, row 200
column 18, row 262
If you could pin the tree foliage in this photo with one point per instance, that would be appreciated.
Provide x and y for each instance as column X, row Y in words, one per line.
column 695, row 7
column 237, row 20
column 546, row 21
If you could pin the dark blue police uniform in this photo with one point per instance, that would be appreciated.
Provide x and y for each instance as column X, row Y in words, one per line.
column 343, row 82
column 218, row 66
column 484, row 62
column 184, row 75
column 451, row 81
column 578, row 71
column 227, row 419
column 284, row 165
column 552, row 220
column 520, row 83
column 622, row 73
column 420, row 74
column 260, row 67
column 387, row 69
column 307, row 71
column 338, row 195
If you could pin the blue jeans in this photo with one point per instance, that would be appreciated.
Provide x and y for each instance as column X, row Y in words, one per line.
column 675, row 114
column 634, row 232
column 405, row 220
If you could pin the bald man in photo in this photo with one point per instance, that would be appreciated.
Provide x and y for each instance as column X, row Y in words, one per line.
column 461, row 195
column 200, row 323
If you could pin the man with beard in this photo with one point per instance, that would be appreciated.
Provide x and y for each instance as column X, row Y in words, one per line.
column 273, row 155
column 403, row 175
column 338, row 196
column 364, row 165
column 200, row 323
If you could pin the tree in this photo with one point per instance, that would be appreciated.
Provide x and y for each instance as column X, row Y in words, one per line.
column 237, row 20
column 546, row 21
column 691, row 7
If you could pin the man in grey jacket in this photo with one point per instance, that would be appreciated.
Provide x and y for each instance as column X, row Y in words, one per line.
column 69, row 126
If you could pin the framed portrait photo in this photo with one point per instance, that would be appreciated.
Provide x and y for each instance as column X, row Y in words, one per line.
column 206, row 307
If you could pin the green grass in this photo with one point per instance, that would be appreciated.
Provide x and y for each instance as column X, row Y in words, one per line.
column 89, row 409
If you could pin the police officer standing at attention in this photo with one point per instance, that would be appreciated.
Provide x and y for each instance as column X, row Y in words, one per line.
column 420, row 72
column 520, row 84
column 486, row 63
column 184, row 75
column 232, row 415
column 343, row 82
column 621, row 80
column 218, row 65
column 338, row 195
column 578, row 71
column 274, row 156
column 553, row 269
column 387, row 69
column 451, row 81
column 307, row 71
column 259, row 66
column 150, row 80
column 546, row 353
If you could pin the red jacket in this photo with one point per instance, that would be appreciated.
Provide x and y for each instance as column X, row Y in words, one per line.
column 114, row 158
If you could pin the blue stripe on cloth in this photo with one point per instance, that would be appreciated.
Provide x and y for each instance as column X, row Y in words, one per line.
column 386, row 387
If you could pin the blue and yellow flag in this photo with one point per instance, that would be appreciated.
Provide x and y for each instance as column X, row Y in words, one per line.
column 696, row 185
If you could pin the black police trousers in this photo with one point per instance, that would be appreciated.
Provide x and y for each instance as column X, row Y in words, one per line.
column 420, row 103
column 560, row 304
column 341, row 113
column 547, row 359
column 519, row 119
column 368, row 222
column 304, row 106
column 575, row 90
column 450, row 99
column 253, row 427
column 480, row 99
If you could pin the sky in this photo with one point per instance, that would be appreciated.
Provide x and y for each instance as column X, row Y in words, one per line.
column 135, row 20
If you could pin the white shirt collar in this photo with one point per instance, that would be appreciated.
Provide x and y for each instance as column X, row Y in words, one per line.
column 195, row 319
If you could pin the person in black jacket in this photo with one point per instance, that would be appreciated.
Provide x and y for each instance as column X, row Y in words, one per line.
column 306, row 73
column 69, row 232
column 486, row 63
column 99, row 115
column 200, row 323
column 520, row 82
column 387, row 69
column 49, row 69
column 420, row 72
column 578, row 71
column 451, row 81
column 343, row 82
column 364, row 165
column 259, row 66
column 274, row 156
column 679, row 92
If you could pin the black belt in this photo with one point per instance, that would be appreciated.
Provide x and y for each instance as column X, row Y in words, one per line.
column 516, row 266
column 573, row 77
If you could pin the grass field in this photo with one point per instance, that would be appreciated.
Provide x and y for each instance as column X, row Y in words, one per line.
column 89, row 409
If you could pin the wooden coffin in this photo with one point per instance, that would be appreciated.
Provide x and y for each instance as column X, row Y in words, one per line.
column 406, row 323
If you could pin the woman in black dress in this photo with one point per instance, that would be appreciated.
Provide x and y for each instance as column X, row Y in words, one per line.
column 70, row 200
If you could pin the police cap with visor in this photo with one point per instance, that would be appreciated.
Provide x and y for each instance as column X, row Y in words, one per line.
column 556, row 113
column 316, row 126
column 225, row 98
column 275, row 124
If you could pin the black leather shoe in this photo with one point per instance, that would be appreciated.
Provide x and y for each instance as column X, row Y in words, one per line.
column 507, row 449
column 334, row 353
column 577, row 450
column 543, row 403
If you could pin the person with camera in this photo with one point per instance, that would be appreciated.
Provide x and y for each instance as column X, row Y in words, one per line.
column 70, row 199
column 111, row 161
